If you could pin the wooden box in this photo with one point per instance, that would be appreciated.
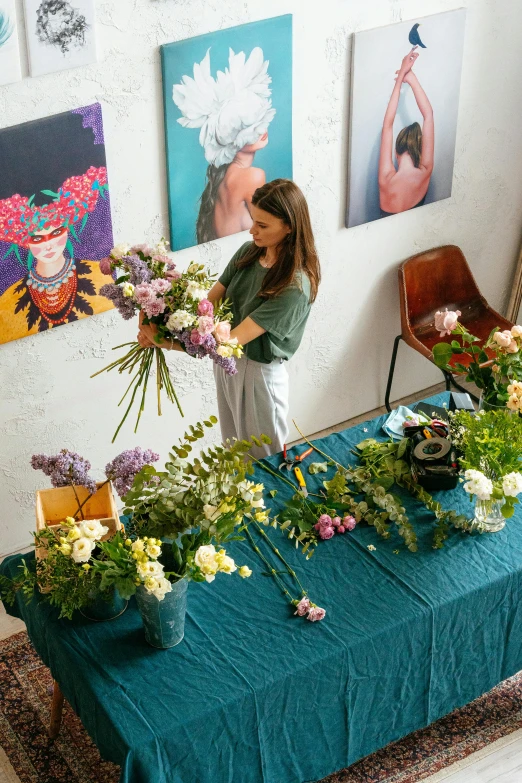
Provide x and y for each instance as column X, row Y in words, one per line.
column 54, row 505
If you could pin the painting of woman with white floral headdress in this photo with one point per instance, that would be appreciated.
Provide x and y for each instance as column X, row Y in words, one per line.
column 212, row 175
column 55, row 222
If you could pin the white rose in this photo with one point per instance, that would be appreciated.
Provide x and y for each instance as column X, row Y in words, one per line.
column 153, row 550
column 150, row 584
column 225, row 351
column 516, row 331
column 195, row 291
column 119, row 251
column 503, row 338
column 128, row 290
column 205, row 559
column 93, row 528
column 74, row 534
column 150, row 568
column 138, row 545
column 82, row 550
column 211, row 512
column 180, row 320
column 164, row 587
column 226, row 564
column 512, row 484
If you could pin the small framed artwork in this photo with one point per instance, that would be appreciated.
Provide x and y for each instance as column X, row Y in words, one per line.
column 55, row 222
column 60, row 34
column 228, row 125
column 405, row 100
column 10, row 70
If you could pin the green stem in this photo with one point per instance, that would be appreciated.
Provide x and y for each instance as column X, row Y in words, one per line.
column 272, row 570
column 327, row 456
column 279, row 555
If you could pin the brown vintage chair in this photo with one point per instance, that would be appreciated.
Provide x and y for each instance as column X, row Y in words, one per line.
column 435, row 280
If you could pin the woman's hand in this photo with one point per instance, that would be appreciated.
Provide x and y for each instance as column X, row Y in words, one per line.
column 407, row 63
column 146, row 336
column 407, row 78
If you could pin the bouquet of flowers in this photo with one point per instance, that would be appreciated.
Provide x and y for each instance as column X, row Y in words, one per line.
column 493, row 367
column 175, row 302
column 491, row 446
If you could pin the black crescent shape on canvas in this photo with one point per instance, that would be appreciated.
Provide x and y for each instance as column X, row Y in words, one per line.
column 414, row 37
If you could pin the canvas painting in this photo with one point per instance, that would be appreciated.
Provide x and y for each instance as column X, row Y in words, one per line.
column 228, row 125
column 10, row 70
column 55, row 222
column 404, row 109
column 60, row 34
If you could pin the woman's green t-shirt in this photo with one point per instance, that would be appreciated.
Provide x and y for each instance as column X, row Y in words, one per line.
column 284, row 316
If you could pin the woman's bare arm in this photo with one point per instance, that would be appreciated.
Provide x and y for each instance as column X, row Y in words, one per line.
column 216, row 293
column 247, row 331
column 386, row 167
column 428, row 126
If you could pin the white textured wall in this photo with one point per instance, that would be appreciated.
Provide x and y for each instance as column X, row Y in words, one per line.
column 47, row 399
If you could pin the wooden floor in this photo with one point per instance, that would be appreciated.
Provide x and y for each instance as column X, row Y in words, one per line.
column 500, row 762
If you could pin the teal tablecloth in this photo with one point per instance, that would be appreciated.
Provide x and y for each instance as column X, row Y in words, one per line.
column 254, row 695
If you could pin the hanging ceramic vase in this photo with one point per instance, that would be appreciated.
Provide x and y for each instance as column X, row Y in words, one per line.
column 488, row 516
column 164, row 621
column 106, row 606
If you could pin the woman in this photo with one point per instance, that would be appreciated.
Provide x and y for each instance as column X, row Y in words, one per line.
column 271, row 284
column 233, row 113
column 406, row 187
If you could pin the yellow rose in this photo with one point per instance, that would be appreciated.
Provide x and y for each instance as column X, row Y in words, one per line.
column 74, row 534
column 261, row 516
column 70, row 521
column 244, row 572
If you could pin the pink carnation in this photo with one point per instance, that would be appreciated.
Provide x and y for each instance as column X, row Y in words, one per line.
column 172, row 274
column 336, row 521
column 147, row 250
column 303, row 607
column 205, row 324
column 162, row 259
column 222, row 331
column 349, row 522
column 446, row 322
column 205, row 307
column 154, row 307
column 161, row 286
column 144, row 293
column 316, row 613
column 105, row 266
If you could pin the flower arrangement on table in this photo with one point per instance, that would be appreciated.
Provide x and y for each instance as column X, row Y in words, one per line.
column 175, row 303
column 494, row 367
column 490, row 445
column 202, row 504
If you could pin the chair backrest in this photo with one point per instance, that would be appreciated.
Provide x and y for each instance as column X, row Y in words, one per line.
column 434, row 280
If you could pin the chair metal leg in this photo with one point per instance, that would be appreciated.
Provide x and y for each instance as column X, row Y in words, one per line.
column 456, row 384
column 447, row 378
column 56, row 711
column 392, row 370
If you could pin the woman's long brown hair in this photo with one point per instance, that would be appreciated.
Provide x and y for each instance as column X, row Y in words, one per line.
column 409, row 140
column 296, row 254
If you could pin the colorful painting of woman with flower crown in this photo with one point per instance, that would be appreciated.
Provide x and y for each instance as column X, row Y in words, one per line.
column 55, row 222
column 212, row 175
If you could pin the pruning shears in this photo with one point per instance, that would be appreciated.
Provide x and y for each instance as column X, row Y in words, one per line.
column 300, row 480
column 289, row 462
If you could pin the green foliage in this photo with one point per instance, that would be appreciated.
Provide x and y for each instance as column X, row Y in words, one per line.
column 490, row 441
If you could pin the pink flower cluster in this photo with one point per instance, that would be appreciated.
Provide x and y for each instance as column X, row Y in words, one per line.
column 312, row 612
column 328, row 527
column 506, row 339
column 150, row 296
column 206, row 325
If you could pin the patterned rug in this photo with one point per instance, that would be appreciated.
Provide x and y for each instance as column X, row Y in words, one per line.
column 25, row 698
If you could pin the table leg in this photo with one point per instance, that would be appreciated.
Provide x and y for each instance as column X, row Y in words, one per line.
column 56, row 711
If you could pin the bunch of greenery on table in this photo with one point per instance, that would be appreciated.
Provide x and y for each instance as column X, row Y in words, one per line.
column 490, row 444
column 362, row 493
column 494, row 367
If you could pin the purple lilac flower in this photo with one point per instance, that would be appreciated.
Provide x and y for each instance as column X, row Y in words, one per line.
column 123, row 468
column 207, row 347
column 65, row 468
column 138, row 270
column 125, row 306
